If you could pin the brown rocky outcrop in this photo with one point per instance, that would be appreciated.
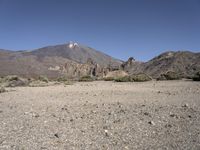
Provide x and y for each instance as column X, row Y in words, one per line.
column 76, row 70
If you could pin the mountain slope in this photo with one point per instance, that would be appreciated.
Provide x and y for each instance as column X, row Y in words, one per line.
column 75, row 52
column 183, row 62
column 72, row 59
column 53, row 61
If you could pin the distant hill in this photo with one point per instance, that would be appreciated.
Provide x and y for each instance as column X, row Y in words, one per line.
column 183, row 62
column 73, row 59
column 42, row 61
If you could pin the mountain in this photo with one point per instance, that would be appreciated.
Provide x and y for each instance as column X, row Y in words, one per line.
column 183, row 62
column 75, row 60
column 54, row 61
column 75, row 52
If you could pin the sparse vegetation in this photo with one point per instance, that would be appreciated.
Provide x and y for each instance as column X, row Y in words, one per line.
column 11, row 78
column 109, row 79
column 13, row 81
column 123, row 79
column 86, row 79
column 2, row 90
column 38, row 83
column 170, row 75
column 44, row 79
column 140, row 77
column 62, row 79
column 196, row 77
column 68, row 83
column 134, row 78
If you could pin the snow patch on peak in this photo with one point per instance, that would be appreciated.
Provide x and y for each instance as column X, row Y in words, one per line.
column 72, row 44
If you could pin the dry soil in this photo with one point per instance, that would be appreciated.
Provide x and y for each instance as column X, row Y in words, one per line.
column 102, row 115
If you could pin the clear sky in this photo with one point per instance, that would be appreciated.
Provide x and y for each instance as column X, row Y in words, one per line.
column 121, row 28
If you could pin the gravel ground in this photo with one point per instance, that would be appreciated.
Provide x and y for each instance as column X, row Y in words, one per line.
column 102, row 115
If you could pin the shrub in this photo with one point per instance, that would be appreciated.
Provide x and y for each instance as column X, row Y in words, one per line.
column 140, row 77
column 11, row 78
column 86, row 79
column 38, row 83
column 134, row 78
column 2, row 90
column 19, row 82
column 13, row 81
column 44, row 79
column 196, row 77
column 161, row 78
column 109, row 79
column 123, row 79
column 62, row 79
column 170, row 75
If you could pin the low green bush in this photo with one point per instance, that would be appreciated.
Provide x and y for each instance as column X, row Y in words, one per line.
column 62, row 79
column 11, row 78
column 142, row 77
column 13, row 81
column 109, row 79
column 170, row 75
column 2, row 90
column 196, row 77
column 43, row 78
column 134, row 78
column 123, row 79
column 86, row 79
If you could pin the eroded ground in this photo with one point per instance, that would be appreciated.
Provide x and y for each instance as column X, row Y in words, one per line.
column 102, row 115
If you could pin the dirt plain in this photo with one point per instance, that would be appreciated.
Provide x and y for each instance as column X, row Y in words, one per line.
column 102, row 115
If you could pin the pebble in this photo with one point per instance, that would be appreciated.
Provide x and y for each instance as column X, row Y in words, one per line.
column 56, row 135
column 106, row 132
column 151, row 123
column 185, row 105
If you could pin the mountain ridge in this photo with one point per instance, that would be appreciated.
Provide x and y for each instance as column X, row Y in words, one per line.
column 76, row 59
column 186, row 63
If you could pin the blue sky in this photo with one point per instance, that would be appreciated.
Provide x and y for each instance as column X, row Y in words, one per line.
column 121, row 28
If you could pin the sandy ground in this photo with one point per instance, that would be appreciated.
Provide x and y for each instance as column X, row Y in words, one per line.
column 102, row 115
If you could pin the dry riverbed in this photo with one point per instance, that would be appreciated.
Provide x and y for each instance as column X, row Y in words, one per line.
column 101, row 115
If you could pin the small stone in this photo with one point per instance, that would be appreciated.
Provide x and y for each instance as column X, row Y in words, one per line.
column 105, row 127
column 185, row 105
column 146, row 113
column 56, row 135
column 36, row 115
column 126, row 147
column 106, row 132
column 172, row 115
column 151, row 123
column 168, row 125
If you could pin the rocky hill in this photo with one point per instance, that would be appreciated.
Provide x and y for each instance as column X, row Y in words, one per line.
column 184, row 63
column 75, row 60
